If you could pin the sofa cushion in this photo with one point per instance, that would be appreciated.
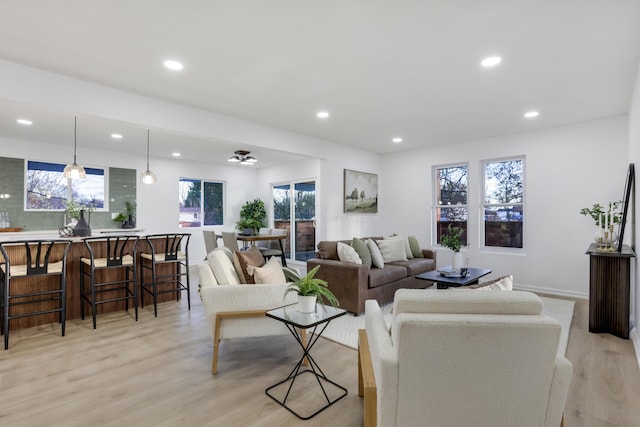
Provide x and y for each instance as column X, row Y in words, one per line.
column 363, row 251
column 251, row 257
column 392, row 250
column 415, row 247
column 328, row 250
column 388, row 274
column 405, row 240
column 348, row 254
column 222, row 267
column 416, row 265
column 376, row 256
column 271, row 273
column 504, row 283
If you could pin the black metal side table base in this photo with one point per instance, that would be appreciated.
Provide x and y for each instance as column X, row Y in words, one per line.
column 319, row 378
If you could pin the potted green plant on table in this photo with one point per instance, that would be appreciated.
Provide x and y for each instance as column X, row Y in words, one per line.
column 311, row 290
column 453, row 240
column 127, row 219
column 253, row 216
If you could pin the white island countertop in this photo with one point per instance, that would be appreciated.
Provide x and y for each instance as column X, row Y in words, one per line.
column 54, row 234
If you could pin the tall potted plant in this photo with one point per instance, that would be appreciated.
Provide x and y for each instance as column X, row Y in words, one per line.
column 452, row 240
column 253, row 216
column 311, row 290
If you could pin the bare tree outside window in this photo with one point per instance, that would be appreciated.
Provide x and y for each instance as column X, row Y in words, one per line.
column 451, row 199
column 504, row 203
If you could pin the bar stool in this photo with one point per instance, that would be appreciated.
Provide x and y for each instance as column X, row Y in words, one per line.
column 109, row 254
column 165, row 250
column 33, row 259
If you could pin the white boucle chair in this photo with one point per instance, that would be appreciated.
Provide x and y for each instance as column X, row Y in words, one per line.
column 235, row 310
column 464, row 358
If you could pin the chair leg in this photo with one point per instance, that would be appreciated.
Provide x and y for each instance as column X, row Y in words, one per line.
column 82, row 294
column 188, row 287
column 5, row 317
column 155, row 289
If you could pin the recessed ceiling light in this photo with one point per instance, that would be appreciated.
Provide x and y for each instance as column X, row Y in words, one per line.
column 322, row 114
column 491, row 61
column 172, row 65
column 531, row 114
column 25, row 122
column 176, row 154
column 397, row 140
column 116, row 136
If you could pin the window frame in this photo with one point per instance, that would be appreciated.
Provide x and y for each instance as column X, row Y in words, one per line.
column 201, row 214
column 436, row 204
column 484, row 204
column 68, row 189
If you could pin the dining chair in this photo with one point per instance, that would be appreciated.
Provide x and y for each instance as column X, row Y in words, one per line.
column 210, row 240
column 230, row 240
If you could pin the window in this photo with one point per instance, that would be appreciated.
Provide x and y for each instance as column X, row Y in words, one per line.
column 302, row 240
column 48, row 189
column 451, row 199
column 503, row 203
column 200, row 203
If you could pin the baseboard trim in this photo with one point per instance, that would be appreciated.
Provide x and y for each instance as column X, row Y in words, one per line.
column 551, row 291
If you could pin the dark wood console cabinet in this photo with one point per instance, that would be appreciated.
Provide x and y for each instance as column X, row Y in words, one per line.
column 609, row 290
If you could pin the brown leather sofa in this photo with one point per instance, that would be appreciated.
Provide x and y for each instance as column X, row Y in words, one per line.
column 353, row 284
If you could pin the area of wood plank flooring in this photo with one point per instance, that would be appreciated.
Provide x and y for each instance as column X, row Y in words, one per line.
column 157, row 372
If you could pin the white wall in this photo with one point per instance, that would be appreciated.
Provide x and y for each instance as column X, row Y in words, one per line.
column 634, row 157
column 567, row 168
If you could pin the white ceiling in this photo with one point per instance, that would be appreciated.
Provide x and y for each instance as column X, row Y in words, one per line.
column 382, row 68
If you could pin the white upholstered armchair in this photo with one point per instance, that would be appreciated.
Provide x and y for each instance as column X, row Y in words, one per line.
column 236, row 310
column 462, row 358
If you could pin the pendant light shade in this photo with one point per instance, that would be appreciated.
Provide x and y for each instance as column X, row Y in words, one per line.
column 148, row 177
column 74, row 170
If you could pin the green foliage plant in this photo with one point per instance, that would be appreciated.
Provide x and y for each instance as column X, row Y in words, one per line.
column 452, row 239
column 253, row 216
column 308, row 285
column 73, row 208
column 597, row 209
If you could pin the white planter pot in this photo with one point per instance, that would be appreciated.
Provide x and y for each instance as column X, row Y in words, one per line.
column 458, row 261
column 307, row 304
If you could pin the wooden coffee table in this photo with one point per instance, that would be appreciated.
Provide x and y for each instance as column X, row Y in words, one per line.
column 444, row 281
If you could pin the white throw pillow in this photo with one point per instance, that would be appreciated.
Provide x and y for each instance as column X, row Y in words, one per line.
column 222, row 268
column 270, row 273
column 376, row 256
column 348, row 254
column 405, row 240
column 502, row 284
column 392, row 250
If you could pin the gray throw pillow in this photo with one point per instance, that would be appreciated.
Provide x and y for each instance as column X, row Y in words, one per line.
column 363, row 251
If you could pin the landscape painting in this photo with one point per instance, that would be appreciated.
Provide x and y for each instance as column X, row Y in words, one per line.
column 360, row 192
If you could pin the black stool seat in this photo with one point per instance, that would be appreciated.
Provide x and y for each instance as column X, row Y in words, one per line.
column 115, row 255
column 165, row 249
column 30, row 260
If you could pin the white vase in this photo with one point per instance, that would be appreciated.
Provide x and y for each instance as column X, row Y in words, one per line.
column 458, row 261
column 307, row 304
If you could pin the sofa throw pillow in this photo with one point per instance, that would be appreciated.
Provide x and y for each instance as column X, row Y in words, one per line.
column 222, row 267
column 392, row 250
column 363, row 251
column 328, row 250
column 405, row 241
column 271, row 273
column 504, row 283
column 251, row 257
column 415, row 247
column 376, row 256
column 347, row 254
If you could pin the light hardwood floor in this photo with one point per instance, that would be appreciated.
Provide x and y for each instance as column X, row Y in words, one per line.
column 157, row 372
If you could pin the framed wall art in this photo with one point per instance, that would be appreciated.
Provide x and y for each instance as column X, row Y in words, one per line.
column 360, row 192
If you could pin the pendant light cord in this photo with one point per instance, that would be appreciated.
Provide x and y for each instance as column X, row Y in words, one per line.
column 147, row 149
column 75, row 137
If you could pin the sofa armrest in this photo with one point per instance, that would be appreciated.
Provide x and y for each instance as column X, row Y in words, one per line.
column 430, row 253
column 346, row 280
column 559, row 389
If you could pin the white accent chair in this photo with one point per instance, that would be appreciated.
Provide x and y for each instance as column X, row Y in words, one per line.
column 234, row 310
column 463, row 358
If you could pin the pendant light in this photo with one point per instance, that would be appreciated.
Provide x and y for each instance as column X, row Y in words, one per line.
column 74, row 170
column 148, row 177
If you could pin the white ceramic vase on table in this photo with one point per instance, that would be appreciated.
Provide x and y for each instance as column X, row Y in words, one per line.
column 458, row 261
